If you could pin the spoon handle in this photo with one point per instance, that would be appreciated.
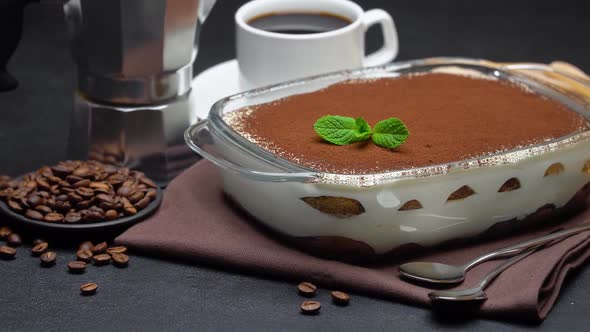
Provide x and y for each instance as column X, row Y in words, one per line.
column 529, row 244
column 500, row 268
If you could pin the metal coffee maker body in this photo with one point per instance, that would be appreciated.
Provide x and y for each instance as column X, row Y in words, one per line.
column 134, row 61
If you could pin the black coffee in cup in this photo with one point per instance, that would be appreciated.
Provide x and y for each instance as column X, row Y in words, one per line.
column 299, row 23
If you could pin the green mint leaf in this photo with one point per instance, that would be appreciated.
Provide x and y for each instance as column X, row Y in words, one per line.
column 390, row 133
column 364, row 130
column 342, row 130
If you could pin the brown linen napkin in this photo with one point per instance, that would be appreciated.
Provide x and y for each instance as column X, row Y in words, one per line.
column 196, row 223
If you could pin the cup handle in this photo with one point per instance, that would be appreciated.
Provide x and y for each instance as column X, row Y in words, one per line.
column 389, row 50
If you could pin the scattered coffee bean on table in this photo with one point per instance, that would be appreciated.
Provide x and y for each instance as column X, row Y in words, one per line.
column 76, row 267
column 4, row 232
column 307, row 289
column 120, row 260
column 76, row 191
column 310, row 307
column 37, row 241
column 88, row 288
column 14, row 240
column 340, row 298
column 7, row 252
column 100, row 248
column 117, row 250
column 84, row 255
column 39, row 249
column 86, row 245
column 48, row 259
column 101, row 259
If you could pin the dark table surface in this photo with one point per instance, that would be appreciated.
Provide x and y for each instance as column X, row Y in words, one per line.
column 156, row 294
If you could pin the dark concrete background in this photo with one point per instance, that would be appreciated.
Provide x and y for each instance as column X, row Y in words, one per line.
column 155, row 294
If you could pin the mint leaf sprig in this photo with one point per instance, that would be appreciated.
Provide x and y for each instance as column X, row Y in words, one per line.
column 343, row 130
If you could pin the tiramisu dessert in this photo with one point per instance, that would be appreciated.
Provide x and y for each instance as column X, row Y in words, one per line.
column 504, row 156
column 450, row 118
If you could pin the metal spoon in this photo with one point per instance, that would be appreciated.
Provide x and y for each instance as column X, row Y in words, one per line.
column 476, row 293
column 439, row 273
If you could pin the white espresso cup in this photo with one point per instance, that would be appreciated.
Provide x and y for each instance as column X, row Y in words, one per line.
column 267, row 57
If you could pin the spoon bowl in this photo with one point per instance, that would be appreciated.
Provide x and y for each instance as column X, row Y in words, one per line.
column 471, row 294
column 433, row 272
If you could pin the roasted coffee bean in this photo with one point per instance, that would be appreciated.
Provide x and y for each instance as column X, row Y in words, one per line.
column 85, row 192
column 340, row 298
column 39, row 248
column 137, row 196
column 125, row 190
column 75, row 198
column 43, row 209
column 37, row 241
column 66, row 190
column 14, row 240
column 84, row 204
column 116, row 179
column 152, row 193
column 101, row 259
column 82, row 183
column 88, row 288
column 142, row 204
column 35, row 200
column 105, row 198
column 307, row 289
column 63, row 206
column 100, row 248
column 73, row 179
column 43, row 194
column 83, row 172
column 53, row 217
column 147, row 182
column 4, row 179
column 106, row 205
column 52, row 180
column 120, row 260
column 76, row 267
column 55, row 189
column 72, row 217
column 61, row 170
column 48, row 258
column 92, row 216
column 61, row 198
column 4, row 232
column 5, row 193
column 15, row 206
column 310, row 307
column 111, row 214
column 84, row 255
column 7, row 252
column 128, row 208
column 117, row 250
column 86, row 245
column 43, row 184
column 35, row 215
column 100, row 186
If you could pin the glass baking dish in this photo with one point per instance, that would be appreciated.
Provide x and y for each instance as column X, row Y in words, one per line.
column 352, row 217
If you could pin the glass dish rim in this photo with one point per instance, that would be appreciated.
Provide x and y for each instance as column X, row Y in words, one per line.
column 219, row 127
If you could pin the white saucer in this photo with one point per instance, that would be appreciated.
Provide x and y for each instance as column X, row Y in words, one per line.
column 209, row 86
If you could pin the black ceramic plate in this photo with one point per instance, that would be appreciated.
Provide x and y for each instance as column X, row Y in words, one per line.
column 101, row 225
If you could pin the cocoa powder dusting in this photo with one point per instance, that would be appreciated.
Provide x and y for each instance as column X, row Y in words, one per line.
column 449, row 117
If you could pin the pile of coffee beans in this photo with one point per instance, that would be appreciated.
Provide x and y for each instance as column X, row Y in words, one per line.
column 101, row 254
column 76, row 191
column 309, row 307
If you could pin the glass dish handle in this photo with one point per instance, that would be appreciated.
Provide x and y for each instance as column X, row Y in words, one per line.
column 199, row 139
column 559, row 74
